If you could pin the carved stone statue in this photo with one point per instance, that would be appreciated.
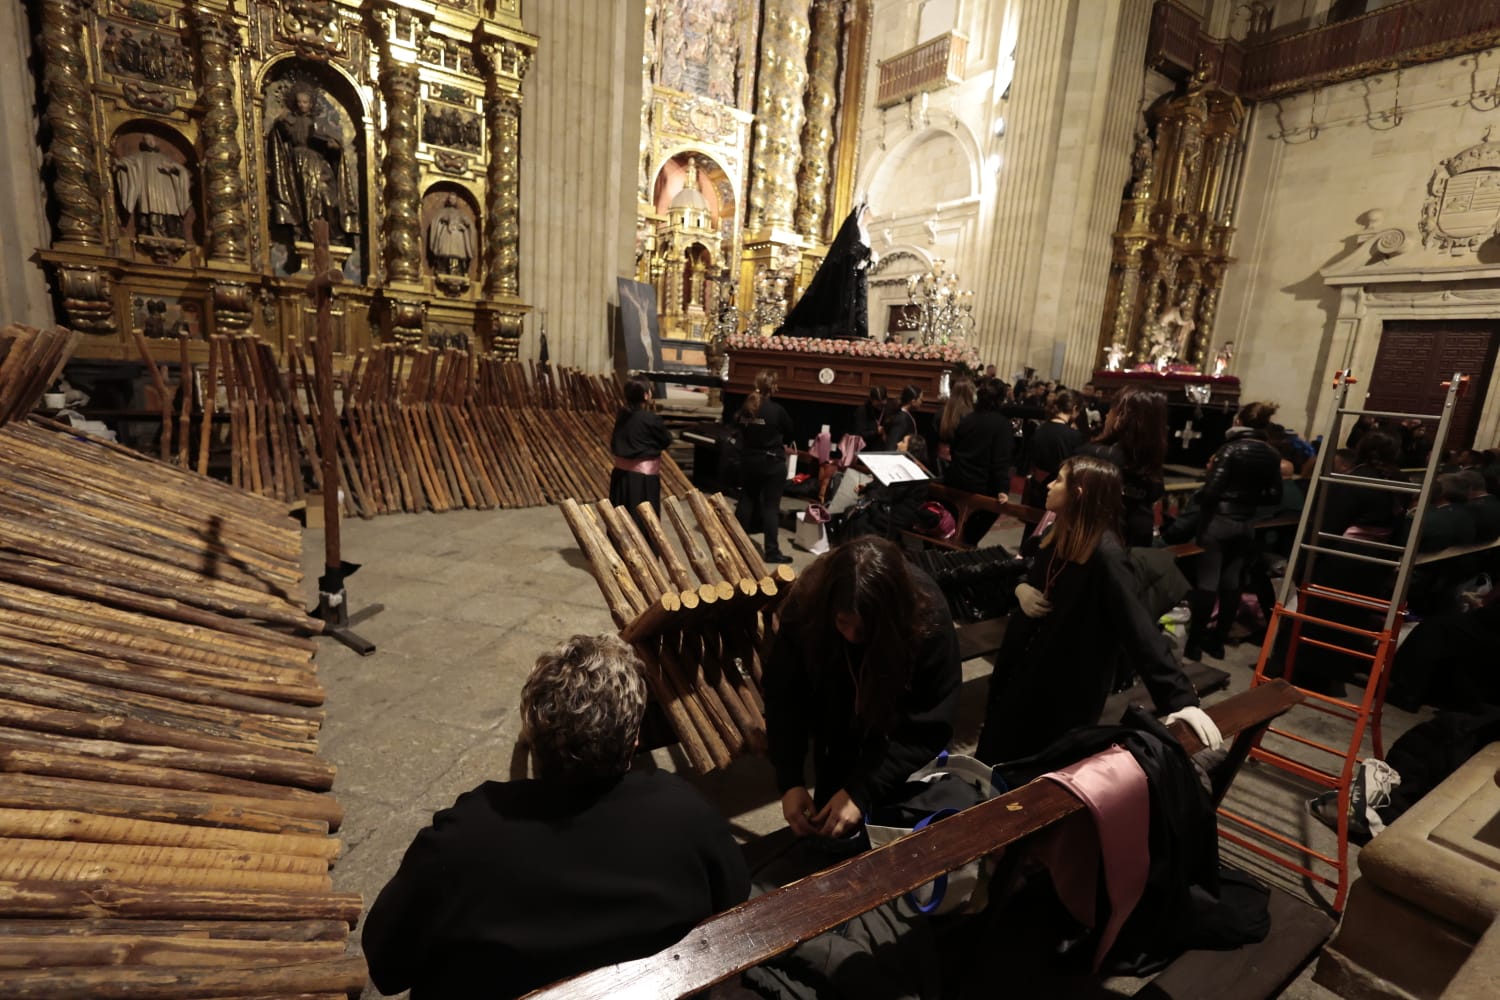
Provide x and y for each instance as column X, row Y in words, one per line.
column 450, row 238
column 312, row 176
column 1143, row 165
column 154, row 189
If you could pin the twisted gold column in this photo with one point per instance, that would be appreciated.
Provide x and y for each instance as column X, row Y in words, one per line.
column 817, row 129
column 778, row 114
column 224, row 188
column 75, row 180
column 502, row 235
column 402, row 236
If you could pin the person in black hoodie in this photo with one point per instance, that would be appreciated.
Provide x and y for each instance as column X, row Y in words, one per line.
column 865, row 668
column 638, row 440
column 980, row 455
column 1243, row 475
column 521, row 883
column 767, row 430
column 1080, row 611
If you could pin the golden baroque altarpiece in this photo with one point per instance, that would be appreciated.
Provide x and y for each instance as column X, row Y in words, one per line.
column 1171, row 249
column 192, row 145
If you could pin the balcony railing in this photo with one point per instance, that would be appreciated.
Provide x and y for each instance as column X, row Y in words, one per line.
column 1413, row 32
column 933, row 65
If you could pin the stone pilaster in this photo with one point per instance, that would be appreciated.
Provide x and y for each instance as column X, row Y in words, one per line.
column 223, row 185
column 76, row 186
column 778, row 115
column 402, row 230
column 820, row 103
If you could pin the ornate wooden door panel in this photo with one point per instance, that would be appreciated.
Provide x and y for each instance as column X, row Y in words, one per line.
column 1416, row 357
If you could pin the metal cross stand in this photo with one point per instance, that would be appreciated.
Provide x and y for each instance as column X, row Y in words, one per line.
column 333, row 599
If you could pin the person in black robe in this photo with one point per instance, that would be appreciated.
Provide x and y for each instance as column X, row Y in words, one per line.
column 1047, row 447
column 834, row 303
column 1135, row 439
column 899, row 423
column 864, row 668
column 521, row 883
column 867, row 417
column 980, row 456
column 766, row 430
column 1080, row 611
column 639, row 438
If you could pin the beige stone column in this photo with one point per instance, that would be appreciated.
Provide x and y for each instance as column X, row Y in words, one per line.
column 23, row 285
column 223, row 185
column 778, row 115
column 401, row 233
column 820, row 103
column 76, row 184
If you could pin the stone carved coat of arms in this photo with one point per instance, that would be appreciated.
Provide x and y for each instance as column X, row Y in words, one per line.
column 1463, row 200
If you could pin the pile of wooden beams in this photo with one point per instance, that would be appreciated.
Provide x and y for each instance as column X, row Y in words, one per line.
column 698, row 613
column 419, row 429
column 165, row 818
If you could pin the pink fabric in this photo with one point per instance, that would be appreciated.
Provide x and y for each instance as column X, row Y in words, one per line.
column 849, row 448
column 645, row 466
column 1114, row 788
column 1359, row 531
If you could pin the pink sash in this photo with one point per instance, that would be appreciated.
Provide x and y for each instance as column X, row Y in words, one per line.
column 645, row 466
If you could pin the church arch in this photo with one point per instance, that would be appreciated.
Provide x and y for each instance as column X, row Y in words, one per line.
column 930, row 167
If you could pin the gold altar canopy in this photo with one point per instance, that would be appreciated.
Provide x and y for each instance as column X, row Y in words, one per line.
column 191, row 146
column 1176, row 223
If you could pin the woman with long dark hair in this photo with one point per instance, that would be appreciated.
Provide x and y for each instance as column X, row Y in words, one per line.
column 867, row 418
column 960, row 403
column 766, row 430
column 1048, row 445
column 1080, row 611
column 865, row 669
column 1135, row 439
column 983, row 442
column 637, row 442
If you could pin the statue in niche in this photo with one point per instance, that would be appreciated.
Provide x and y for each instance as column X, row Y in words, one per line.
column 312, row 176
column 450, row 238
column 1143, row 165
column 722, row 53
column 154, row 189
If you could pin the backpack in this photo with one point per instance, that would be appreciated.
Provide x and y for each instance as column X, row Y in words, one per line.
column 935, row 520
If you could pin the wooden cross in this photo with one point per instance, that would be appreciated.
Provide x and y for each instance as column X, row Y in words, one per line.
column 1187, row 434
column 320, row 347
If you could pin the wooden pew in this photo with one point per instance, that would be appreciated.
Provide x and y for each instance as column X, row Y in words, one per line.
column 964, row 504
column 729, row 943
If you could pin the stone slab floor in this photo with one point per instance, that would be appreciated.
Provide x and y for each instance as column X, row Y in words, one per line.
column 460, row 604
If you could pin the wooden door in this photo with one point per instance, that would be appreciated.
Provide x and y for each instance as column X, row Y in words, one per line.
column 1417, row 357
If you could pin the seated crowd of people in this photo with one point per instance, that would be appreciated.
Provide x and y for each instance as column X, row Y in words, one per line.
column 597, row 859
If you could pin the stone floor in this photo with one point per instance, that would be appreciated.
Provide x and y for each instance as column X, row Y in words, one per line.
column 460, row 605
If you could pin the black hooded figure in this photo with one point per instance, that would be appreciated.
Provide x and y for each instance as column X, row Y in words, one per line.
column 834, row 303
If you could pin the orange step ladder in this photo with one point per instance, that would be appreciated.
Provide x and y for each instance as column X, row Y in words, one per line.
column 1353, row 635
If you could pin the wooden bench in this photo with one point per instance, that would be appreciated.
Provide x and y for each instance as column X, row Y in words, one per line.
column 1183, row 550
column 725, row 945
column 1454, row 551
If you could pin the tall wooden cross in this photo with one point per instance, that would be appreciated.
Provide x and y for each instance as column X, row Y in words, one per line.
column 332, row 598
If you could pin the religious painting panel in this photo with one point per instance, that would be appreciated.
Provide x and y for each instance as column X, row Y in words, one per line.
column 452, row 127
column 164, row 316
column 154, row 172
column 149, row 54
column 313, row 136
column 700, row 46
column 639, row 325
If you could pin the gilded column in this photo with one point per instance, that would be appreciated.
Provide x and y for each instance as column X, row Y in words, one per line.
column 75, row 181
column 648, row 98
column 778, row 114
column 502, row 235
column 224, row 188
column 402, row 236
column 817, row 129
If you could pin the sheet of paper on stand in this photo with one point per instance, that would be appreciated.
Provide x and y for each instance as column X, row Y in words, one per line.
column 892, row 467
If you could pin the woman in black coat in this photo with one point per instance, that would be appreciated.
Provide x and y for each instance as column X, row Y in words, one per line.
column 980, row 456
column 1079, row 613
column 1243, row 476
column 1048, row 446
column 638, row 440
column 899, row 422
column 864, row 668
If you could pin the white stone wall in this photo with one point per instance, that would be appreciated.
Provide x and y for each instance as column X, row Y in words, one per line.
column 23, row 287
column 1307, row 198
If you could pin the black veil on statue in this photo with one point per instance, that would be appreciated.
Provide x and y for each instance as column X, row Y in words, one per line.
column 834, row 303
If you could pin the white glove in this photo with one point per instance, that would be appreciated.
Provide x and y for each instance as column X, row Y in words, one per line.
column 1033, row 602
column 1200, row 723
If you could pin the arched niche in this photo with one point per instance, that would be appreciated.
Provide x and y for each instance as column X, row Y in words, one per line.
column 932, row 167
column 314, row 155
column 713, row 182
column 155, row 191
column 450, row 218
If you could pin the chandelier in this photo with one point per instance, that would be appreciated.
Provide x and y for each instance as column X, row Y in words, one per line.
column 771, row 284
column 944, row 311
